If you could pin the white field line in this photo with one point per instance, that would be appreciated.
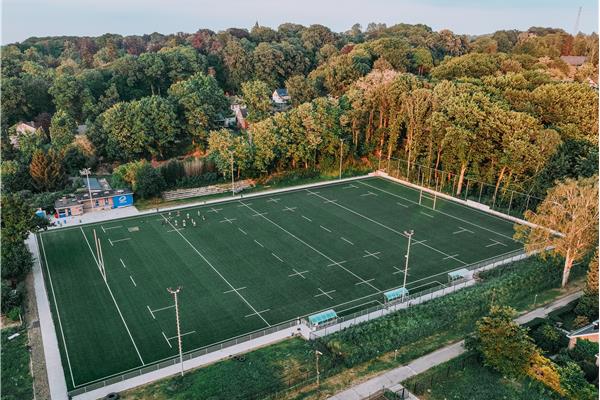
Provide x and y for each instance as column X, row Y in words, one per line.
column 122, row 263
column 111, row 227
column 183, row 334
column 429, row 215
column 325, row 229
column 298, row 273
column 347, row 241
column 441, row 212
column 306, row 218
column 258, row 243
column 243, row 231
column 400, row 204
column 114, row 301
column 163, row 308
column 367, row 281
column 119, row 240
column 388, row 228
column 324, row 293
column 257, row 313
column 151, row 313
column 277, row 257
column 311, row 247
column 131, row 277
column 218, row 273
column 232, row 290
column 57, row 312
column 167, row 340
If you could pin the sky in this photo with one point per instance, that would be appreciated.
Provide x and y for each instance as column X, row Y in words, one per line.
column 25, row 18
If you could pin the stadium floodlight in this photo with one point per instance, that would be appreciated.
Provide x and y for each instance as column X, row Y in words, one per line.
column 87, row 172
column 174, row 292
column 317, row 354
column 409, row 234
column 341, row 155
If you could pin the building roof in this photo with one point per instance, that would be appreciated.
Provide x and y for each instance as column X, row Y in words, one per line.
column 281, row 92
column 78, row 198
column 586, row 330
column 574, row 60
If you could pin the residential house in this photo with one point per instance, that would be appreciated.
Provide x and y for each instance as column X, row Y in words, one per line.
column 281, row 96
column 588, row 332
column 22, row 128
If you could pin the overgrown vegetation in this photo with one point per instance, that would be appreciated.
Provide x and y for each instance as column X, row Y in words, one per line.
column 17, row 383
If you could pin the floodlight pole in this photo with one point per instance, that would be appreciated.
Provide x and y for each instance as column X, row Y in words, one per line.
column 174, row 292
column 317, row 354
column 341, row 156
column 409, row 234
column 86, row 172
column 232, row 181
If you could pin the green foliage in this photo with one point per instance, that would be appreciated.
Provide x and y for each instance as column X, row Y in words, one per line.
column 572, row 380
column 549, row 338
column 62, row 130
column 148, row 182
column 12, row 295
column 16, row 260
column 473, row 65
column 17, row 383
column 257, row 97
column 171, row 172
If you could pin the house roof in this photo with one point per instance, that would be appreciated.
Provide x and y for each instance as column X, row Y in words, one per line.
column 281, row 92
column 586, row 330
column 574, row 60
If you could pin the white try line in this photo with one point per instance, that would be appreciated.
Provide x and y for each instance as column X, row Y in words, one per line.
column 367, row 281
column 166, row 340
column 242, row 205
column 298, row 273
column 389, row 228
column 218, row 273
column 57, row 312
column 132, row 281
column 428, row 215
column 347, row 241
column 113, row 298
column 230, row 220
column 257, row 214
column 306, row 218
column 175, row 230
column 322, row 227
column 311, row 247
column 452, row 257
column 337, row 263
column 415, row 242
column 330, row 201
column 324, row 293
column 311, row 193
column 446, row 214
column 122, row 263
column 461, row 230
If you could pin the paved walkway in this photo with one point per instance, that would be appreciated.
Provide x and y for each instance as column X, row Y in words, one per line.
column 392, row 378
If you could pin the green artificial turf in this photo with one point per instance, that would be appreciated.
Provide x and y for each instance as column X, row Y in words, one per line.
column 248, row 265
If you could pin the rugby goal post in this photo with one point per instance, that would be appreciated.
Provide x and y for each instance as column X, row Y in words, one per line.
column 99, row 256
column 427, row 196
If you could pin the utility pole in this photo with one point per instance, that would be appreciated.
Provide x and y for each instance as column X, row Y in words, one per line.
column 317, row 354
column 174, row 292
column 341, row 156
column 409, row 234
column 86, row 172
column 576, row 29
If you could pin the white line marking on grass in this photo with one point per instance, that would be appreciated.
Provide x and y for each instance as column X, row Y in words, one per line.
column 311, row 193
column 259, row 214
column 461, row 230
column 312, row 248
column 57, row 311
column 110, row 241
column 298, row 273
column 111, row 227
column 324, row 293
column 183, row 334
column 398, row 271
column 258, row 243
column 446, row 214
column 330, row 201
column 131, row 277
column 495, row 243
column 114, row 300
column 292, row 209
column 215, row 210
column 151, row 313
column 230, row 220
column 122, row 263
column 241, row 230
column 322, row 227
column 242, row 205
column 452, row 257
column 175, row 230
column 119, row 240
column 369, row 193
column 336, row 263
column 218, row 273
column 400, row 204
column 257, row 313
column 167, row 340
column 415, row 242
column 374, row 255
column 429, row 215
column 346, row 240
column 273, row 200
column 306, row 218
column 367, row 281
column 233, row 290
column 164, row 308
column 277, row 257
column 391, row 229
column 350, row 186
column 103, row 230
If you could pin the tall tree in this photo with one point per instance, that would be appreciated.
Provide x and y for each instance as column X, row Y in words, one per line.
column 567, row 220
column 257, row 98
column 62, row 130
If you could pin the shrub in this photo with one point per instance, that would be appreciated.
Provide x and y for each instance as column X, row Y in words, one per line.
column 573, row 382
column 11, row 296
column 549, row 338
column 148, row 182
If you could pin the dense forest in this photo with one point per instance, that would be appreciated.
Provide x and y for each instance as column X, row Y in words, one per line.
column 502, row 108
